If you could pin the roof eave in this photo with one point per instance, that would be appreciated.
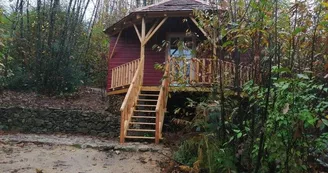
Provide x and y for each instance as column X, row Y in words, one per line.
column 134, row 17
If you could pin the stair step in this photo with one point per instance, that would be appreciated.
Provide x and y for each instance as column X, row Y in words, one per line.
column 146, row 105
column 150, row 111
column 147, row 89
column 144, row 117
column 142, row 130
column 142, row 123
column 139, row 137
column 147, row 100
column 151, row 95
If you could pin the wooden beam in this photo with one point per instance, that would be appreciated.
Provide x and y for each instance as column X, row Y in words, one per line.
column 112, row 53
column 143, row 29
column 119, row 91
column 152, row 28
column 150, row 88
column 154, row 31
column 142, row 47
column 137, row 31
column 200, row 28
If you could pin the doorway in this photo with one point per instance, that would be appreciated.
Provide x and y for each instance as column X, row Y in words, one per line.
column 181, row 51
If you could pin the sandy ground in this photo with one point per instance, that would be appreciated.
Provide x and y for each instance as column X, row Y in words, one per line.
column 27, row 157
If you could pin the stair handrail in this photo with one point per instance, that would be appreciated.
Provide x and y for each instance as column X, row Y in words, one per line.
column 162, row 102
column 122, row 75
column 130, row 100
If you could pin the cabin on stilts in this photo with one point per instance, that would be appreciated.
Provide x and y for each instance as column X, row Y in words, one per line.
column 132, row 58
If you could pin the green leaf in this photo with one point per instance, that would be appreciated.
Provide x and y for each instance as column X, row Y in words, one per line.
column 227, row 43
column 239, row 135
column 297, row 30
column 325, row 121
column 302, row 76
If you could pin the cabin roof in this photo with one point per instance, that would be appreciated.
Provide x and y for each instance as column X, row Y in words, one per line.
column 175, row 5
column 165, row 8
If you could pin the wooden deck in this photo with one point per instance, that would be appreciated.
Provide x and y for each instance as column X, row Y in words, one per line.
column 144, row 107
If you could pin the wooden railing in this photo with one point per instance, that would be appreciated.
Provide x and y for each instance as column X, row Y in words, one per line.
column 122, row 75
column 162, row 103
column 200, row 71
column 130, row 100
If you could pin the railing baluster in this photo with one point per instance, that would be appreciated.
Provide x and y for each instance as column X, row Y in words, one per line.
column 203, row 71
column 192, row 71
column 123, row 74
column 184, row 62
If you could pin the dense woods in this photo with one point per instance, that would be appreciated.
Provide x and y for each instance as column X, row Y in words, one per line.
column 275, row 123
column 278, row 121
column 55, row 46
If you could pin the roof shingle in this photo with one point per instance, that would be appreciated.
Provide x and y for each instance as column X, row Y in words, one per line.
column 175, row 5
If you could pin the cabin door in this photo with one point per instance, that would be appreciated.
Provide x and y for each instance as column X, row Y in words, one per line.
column 181, row 51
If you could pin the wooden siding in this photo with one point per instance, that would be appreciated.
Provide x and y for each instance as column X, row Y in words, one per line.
column 128, row 49
column 124, row 52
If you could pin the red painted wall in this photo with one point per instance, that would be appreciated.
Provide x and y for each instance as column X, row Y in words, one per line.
column 128, row 49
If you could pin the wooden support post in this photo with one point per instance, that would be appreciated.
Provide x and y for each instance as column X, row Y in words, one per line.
column 200, row 28
column 152, row 28
column 138, row 33
column 112, row 53
column 203, row 71
column 149, row 35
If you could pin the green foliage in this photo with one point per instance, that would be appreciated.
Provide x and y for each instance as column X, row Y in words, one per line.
column 293, row 120
column 277, row 122
column 53, row 50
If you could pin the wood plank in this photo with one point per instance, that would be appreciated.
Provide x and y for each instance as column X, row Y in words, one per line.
column 142, row 123
column 144, row 117
column 142, row 130
column 139, row 137
column 147, row 100
column 146, row 105
column 119, row 91
column 150, row 88
column 151, row 95
column 148, row 111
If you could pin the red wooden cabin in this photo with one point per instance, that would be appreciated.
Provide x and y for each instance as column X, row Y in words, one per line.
column 132, row 60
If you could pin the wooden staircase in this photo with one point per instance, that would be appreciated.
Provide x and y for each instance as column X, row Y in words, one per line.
column 143, row 110
column 143, row 120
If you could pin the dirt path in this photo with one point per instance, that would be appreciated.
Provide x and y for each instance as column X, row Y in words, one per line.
column 18, row 155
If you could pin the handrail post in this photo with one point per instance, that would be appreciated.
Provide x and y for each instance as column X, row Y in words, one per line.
column 161, row 104
column 157, row 135
column 129, row 101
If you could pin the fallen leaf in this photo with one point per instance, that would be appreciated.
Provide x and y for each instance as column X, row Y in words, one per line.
column 185, row 168
column 38, row 170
